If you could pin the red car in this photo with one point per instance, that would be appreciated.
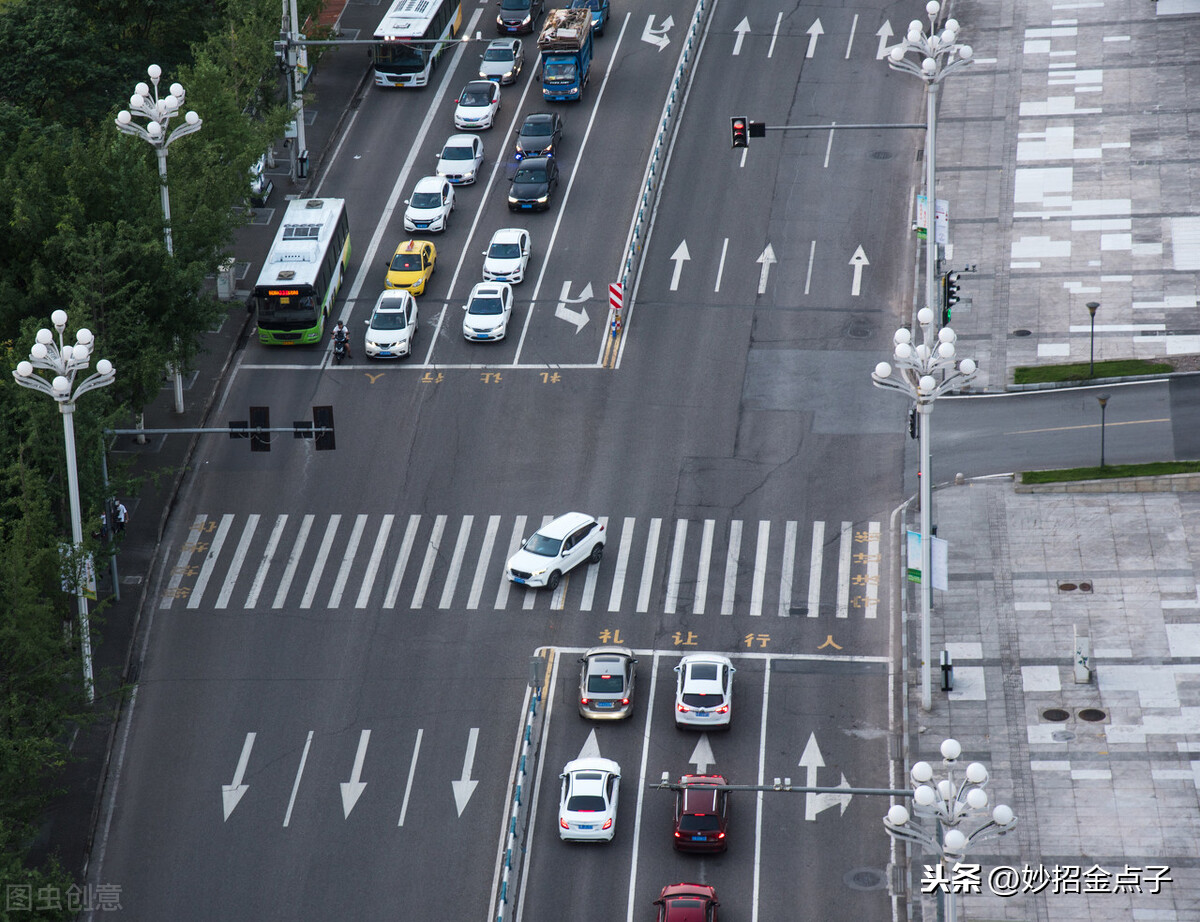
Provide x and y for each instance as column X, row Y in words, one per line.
column 687, row 903
column 701, row 814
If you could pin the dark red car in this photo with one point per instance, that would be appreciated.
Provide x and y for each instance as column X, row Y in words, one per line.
column 687, row 903
column 701, row 814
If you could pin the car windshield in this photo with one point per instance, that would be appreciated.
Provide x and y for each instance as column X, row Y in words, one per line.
column 457, row 153
column 388, row 320
column 605, row 683
column 540, row 544
column 525, row 174
column 486, row 305
column 703, row 701
column 538, row 128
column 514, row 5
column 405, row 262
column 704, row 822
column 498, row 54
column 475, row 98
column 505, row 251
column 425, row 200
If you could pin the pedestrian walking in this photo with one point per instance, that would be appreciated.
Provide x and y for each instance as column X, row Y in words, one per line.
column 122, row 517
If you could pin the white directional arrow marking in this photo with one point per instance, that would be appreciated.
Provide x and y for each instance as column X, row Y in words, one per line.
column 590, row 748
column 657, row 36
column 561, row 311
column 680, row 256
column 352, row 789
column 814, row 803
column 858, row 260
column 741, row 29
column 232, row 793
column 702, row 755
column 465, row 787
column 766, row 259
column 813, row 31
column 884, row 33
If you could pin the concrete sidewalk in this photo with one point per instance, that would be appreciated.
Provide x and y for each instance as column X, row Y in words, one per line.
column 1102, row 776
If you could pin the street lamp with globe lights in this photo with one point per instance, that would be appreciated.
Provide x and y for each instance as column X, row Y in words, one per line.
column 923, row 373
column 64, row 362
column 939, row 55
column 158, row 112
column 948, row 809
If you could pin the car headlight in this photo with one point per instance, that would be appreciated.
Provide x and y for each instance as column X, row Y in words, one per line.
column 538, row 572
column 507, row 75
column 525, row 21
column 512, row 200
column 543, row 199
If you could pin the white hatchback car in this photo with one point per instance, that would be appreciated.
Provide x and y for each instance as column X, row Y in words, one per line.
column 555, row 549
column 507, row 256
column 430, row 205
column 460, row 159
column 477, row 105
column 587, row 807
column 487, row 312
column 704, row 690
column 393, row 325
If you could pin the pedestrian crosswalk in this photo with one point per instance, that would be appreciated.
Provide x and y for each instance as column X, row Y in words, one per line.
column 448, row 563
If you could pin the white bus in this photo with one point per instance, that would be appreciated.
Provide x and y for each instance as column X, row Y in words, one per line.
column 303, row 272
column 411, row 37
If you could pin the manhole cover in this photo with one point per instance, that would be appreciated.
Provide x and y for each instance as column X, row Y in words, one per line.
column 1085, row 587
column 1022, row 332
column 1092, row 714
column 1055, row 714
column 858, row 331
column 881, row 155
column 1067, row 587
column 865, row 879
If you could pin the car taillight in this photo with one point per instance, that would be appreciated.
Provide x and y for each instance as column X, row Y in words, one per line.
column 678, row 834
column 720, row 835
column 564, row 824
column 584, row 701
column 624, row 701
column 607, row 823
column 682, row 708
column 723, row 709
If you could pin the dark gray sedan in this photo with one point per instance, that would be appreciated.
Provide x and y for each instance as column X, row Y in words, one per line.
column 534, row 184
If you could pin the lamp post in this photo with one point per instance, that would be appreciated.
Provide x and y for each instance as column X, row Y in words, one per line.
column 940, row 55
column 1103, row 398
column 923, row 373
column 65, row 362
column 158, row 112
column 1092, row 307
column 945, row 806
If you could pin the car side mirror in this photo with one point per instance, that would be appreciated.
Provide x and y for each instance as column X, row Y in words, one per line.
column 367, row 322
column 464, row 307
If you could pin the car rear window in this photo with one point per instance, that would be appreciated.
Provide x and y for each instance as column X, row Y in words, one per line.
column 705, row 822
column 585, row 803
column 703, row 701
column 602, row 682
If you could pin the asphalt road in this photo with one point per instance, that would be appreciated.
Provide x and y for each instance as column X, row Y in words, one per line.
column 333, row 644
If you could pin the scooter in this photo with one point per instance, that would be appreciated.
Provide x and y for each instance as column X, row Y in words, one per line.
column 339, row 349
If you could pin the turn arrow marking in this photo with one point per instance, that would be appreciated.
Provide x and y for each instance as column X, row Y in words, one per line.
column 884, row 33
column 562, row 312
column 657, row 36
column 765, row 259
column 232, row 793
column 741, row 29
column 465, row 786
column 858, row 260
column 814, row 803
column 352, row 789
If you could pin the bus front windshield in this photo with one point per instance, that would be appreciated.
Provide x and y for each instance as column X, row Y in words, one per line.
column 400, row 57
column 288, row 306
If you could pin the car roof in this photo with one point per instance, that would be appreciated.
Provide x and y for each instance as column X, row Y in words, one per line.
column 508, row 235
column 565, row 524
column 508, row 44
column 608, row 650
column 479, row 85
column 414, row 246
column 536, row 118
column 705, row 658
column 700, row 800
column 393, row 299
column 460, row 140
column 429, row 184
column 483, row 289
column 701, row 891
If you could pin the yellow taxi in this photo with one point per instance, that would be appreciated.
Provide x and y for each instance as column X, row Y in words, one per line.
column 411, row 265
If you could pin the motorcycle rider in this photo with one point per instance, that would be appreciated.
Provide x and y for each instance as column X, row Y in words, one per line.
column 342, row 335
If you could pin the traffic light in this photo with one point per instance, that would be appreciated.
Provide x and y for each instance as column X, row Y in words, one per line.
column 950, row 289
column 740, row 126
column 260, row 418
column 323, row 419
column 912, row 423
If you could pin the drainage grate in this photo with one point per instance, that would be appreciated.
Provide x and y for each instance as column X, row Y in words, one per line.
column 1022, row 332
column 1056, row 714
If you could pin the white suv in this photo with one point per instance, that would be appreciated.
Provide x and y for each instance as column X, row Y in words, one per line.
column 555, row 549
column 704, row 690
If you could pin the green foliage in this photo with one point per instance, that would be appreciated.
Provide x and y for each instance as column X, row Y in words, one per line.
column 1109, row 471
column 1078, row 371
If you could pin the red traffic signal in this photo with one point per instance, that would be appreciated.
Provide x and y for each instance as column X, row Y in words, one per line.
column 740, row 127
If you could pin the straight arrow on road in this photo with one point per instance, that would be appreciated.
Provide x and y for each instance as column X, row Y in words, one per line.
column 814, row 31
column 352, row 789
column 465, row 786
column 680, row 256
column 858, row 260
column 741, row 29
column 766, row 259
column 232, row 793
column 702, row 755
